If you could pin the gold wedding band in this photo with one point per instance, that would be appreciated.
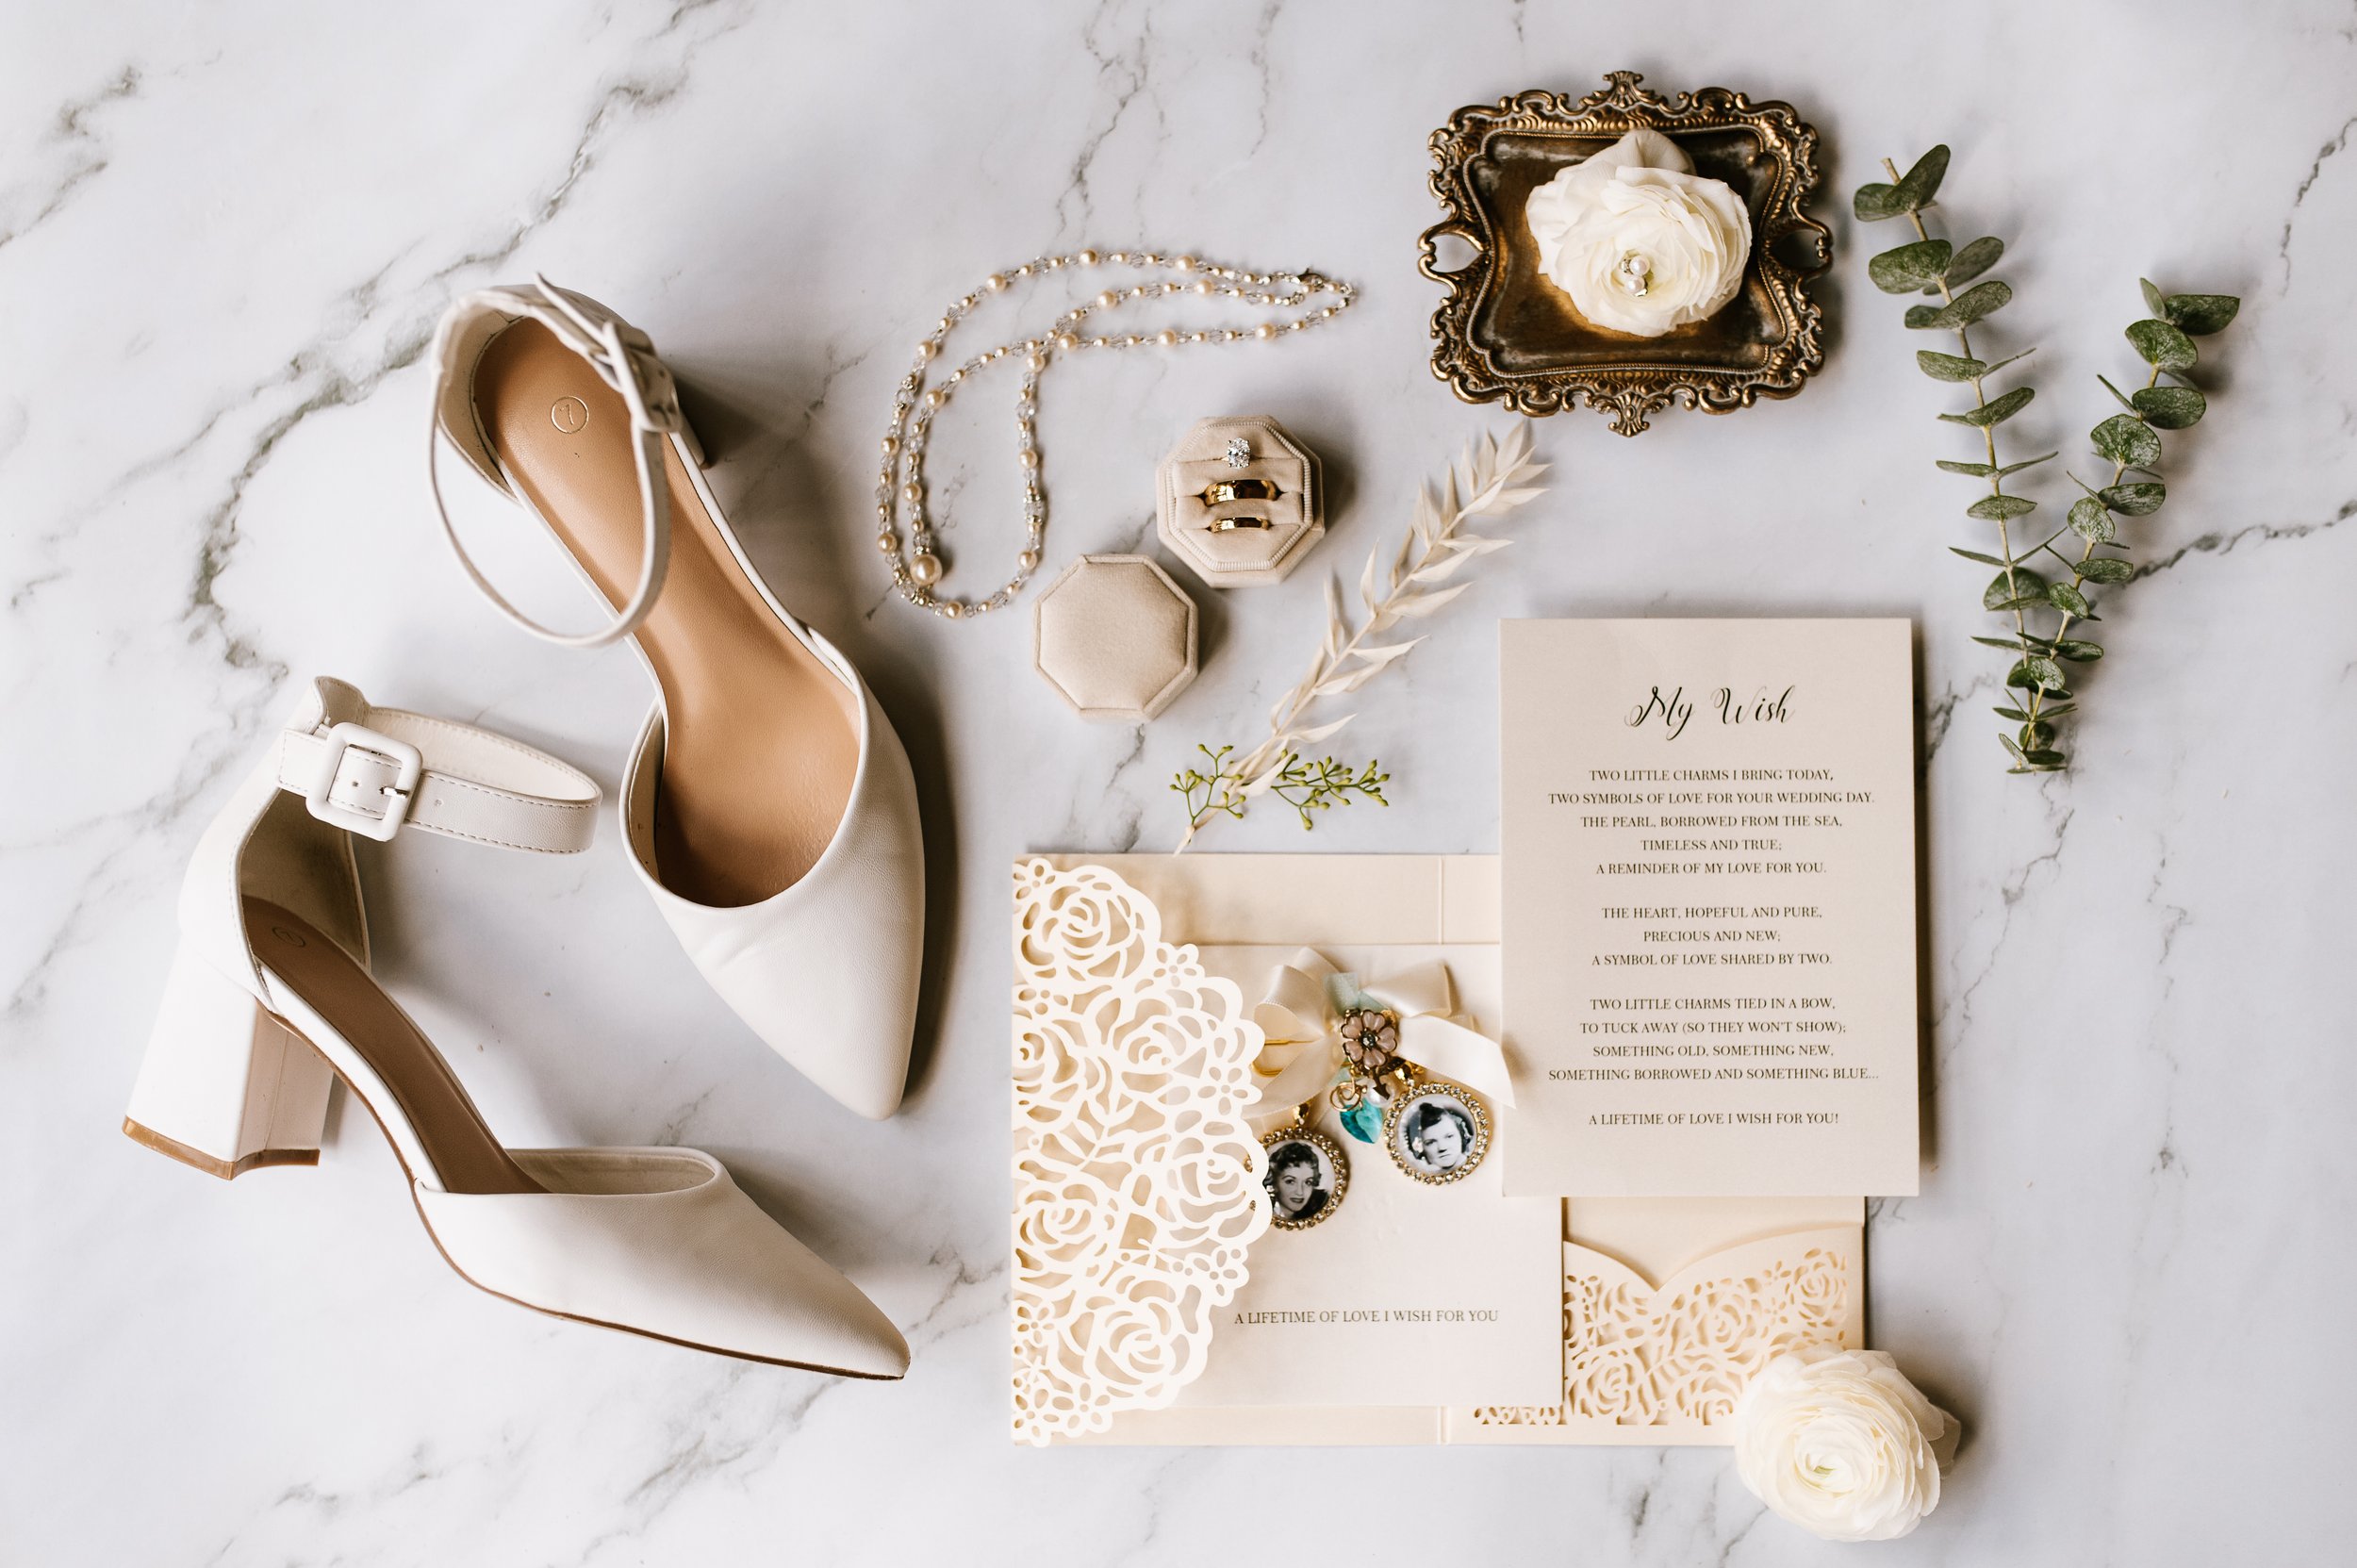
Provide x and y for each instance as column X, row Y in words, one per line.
column 1228, row 525
column 1240, row 490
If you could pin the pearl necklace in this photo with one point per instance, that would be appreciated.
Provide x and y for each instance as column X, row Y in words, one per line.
column 901, row 479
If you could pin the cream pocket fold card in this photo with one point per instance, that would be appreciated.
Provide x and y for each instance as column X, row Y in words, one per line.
column 1708, row 847
column 1192, row 1264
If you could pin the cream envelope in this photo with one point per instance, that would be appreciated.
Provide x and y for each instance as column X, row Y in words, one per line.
column 1664, row 1307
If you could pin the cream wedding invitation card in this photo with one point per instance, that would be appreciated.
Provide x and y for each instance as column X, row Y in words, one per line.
column 1132, row 974
column 1132, row 1322
column 1410, row 1294
column 1707, row 848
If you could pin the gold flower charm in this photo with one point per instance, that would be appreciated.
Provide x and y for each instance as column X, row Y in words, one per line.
column 1370, row 1039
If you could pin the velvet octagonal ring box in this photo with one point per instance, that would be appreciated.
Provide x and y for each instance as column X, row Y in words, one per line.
column 1507, row 333
column 1239, row 501
column 1115, row 637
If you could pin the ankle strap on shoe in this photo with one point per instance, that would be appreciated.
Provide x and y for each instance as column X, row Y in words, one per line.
column 373, row 771
column 624, row 358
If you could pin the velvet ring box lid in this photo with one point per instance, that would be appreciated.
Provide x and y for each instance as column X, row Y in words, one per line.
column 1261, row 533
column 1116, row 637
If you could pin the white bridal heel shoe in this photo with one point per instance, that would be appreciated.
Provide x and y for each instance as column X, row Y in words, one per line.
column 270, row 996
column 768, row 805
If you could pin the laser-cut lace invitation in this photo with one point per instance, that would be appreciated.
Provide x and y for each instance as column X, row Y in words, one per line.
column 1137, row 1176
column 1141, row 1220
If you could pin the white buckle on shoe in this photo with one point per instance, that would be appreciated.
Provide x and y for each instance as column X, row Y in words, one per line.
column 406, row 762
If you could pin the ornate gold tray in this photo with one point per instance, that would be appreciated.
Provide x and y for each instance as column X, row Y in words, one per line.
column 1506, row 334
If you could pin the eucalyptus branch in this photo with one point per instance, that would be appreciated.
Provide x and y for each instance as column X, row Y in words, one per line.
column 2128, row 440
column 1411, row 586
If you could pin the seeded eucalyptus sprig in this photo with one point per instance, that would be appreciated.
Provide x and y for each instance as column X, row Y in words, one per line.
column 1307, row 786
column 2043, row 609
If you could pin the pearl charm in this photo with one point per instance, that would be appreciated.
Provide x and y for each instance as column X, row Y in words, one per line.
column 916, row 568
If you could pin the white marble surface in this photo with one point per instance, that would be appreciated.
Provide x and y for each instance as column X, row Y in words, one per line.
column 225, row 234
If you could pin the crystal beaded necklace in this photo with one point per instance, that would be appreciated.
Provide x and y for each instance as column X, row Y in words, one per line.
column 917, row 568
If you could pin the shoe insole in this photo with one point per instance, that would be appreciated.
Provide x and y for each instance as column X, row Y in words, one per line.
column 465, row 1155
column 762, row 738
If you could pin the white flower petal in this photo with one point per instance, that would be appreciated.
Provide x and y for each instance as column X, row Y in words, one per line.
column 1840, row 1442
column 1641, row 199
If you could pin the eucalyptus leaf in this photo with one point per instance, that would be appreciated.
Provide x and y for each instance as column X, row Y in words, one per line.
column 2089, row 521
column 2162, row 345
column 1964, row 290
column 1919, row 185
column 2170, row 407
column 2199, row 315
column 1997, row 410
column 1874, row 203
column 1908, row 268
column 2124, row 439
column 1981, row 299
column 2037, row 672
column 1974, row 260
column 2068, row 600
column 2008, row 589
column 1949, row 367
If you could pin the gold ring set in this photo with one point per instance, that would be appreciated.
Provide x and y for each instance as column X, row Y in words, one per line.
column 1222, row 491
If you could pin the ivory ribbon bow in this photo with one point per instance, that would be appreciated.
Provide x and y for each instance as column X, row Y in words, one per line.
column 1304, row 1052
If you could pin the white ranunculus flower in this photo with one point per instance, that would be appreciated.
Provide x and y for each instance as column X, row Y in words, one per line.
column 1641, row 242
column 1840, row 1444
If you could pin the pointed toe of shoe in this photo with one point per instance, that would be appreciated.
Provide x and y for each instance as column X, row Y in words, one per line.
column 663, row 1242
column 826, row 971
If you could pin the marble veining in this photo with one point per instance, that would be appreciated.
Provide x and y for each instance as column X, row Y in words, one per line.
column 225, row 235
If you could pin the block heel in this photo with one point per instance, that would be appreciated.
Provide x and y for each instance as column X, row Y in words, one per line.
column 225, row 1087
